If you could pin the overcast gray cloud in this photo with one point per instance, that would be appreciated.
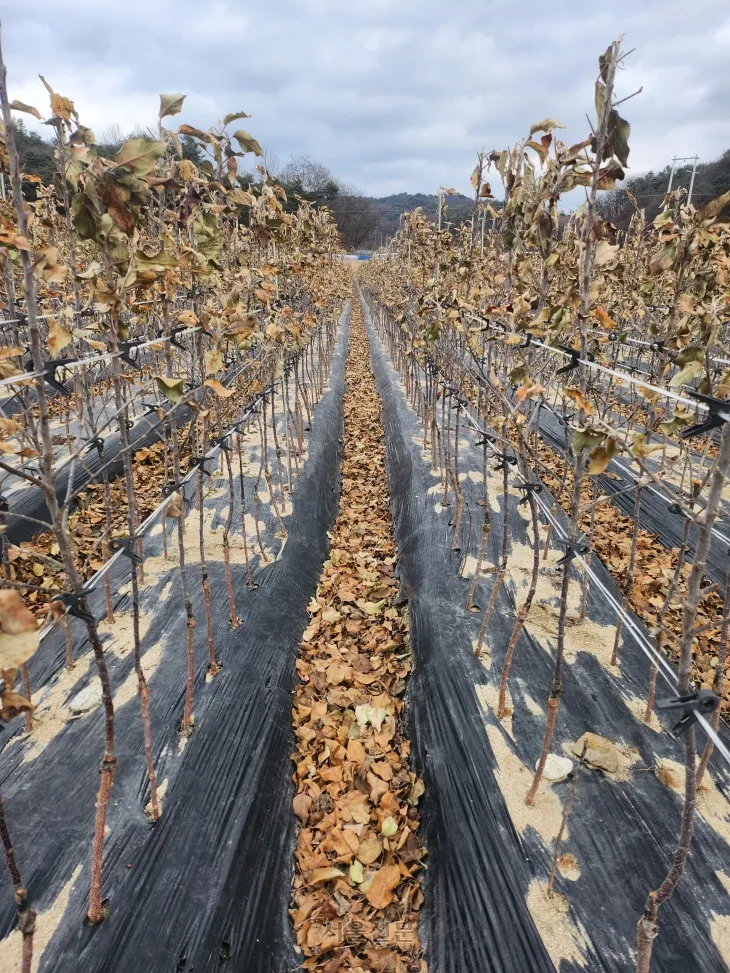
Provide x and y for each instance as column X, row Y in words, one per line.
column 392, row 96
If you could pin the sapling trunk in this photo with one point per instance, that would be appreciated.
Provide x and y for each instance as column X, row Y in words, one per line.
column 504, row 548
column 718, row 683
column 628, row 587
column 108, row 764
column 142, row 689
column 553, row 702
column 226, row 541
column 26, row 915
column 186, row 725
column 213, row 667
column 277, row 450
column 523, row 610
column 647, row 926
column 564, row 820
column 242, row 487
column 585, row 580
column 457, row 485
column 263, row 469
column 486, row 526
column 654, row 670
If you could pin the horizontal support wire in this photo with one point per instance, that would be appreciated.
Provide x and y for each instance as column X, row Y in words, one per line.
column 95, row 359
column 645, row 344
column 138, row 395
column 595, row 366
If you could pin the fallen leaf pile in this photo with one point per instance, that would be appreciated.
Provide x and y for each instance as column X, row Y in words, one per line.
column 356, row 891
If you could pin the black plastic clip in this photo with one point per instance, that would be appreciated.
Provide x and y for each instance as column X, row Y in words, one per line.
column 4, row 504
column 565, row 419
column 486, row 438
column 719, row 412
column 529, row 488
column 657, row 345
column 96, row 443
column 150, row 408
column 574, row 359
column 613, row 336
column 528, row 340
column 572, row 548
column 173, row 338
column 674, row 508
column 505, row 460
column 125, row 348
column 125, row 545
column 49, row 374
column 200, row 462
column 222, row 441
column 70, row 601
column 703, row 701
column 169, row 488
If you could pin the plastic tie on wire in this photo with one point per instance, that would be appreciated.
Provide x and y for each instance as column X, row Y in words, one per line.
column 70, row 601
column 199, row 462
column 125, row 347
column 718, row 413
column 169, row 488
column 49, row 374
column 486, row 438
column 703, row 702
column 527, row 342
column 126, row 546
column 505, row 460
column 565, row 419
column 4, row 504
column 150, row 408
column 173, row 337
column 572, row 548
column 529, row 489
column 574, row 359
column 222, row 441
column 458, row 399
column 96, row 443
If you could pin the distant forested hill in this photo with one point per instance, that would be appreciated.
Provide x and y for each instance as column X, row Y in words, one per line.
column 712, row 179
column 390, row 208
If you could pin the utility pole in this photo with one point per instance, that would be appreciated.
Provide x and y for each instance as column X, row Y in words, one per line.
column 694, row 159
column 692, row 180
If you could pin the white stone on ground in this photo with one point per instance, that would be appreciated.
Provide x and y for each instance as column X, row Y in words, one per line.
column 87, row 699
column 556, row 768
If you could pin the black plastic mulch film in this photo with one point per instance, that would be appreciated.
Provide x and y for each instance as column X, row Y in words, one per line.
column 209, row 889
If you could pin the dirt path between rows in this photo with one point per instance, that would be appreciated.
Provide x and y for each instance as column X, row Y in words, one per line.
column 356, row 889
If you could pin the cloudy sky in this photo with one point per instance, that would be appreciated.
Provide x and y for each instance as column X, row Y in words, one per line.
column 391, row 95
